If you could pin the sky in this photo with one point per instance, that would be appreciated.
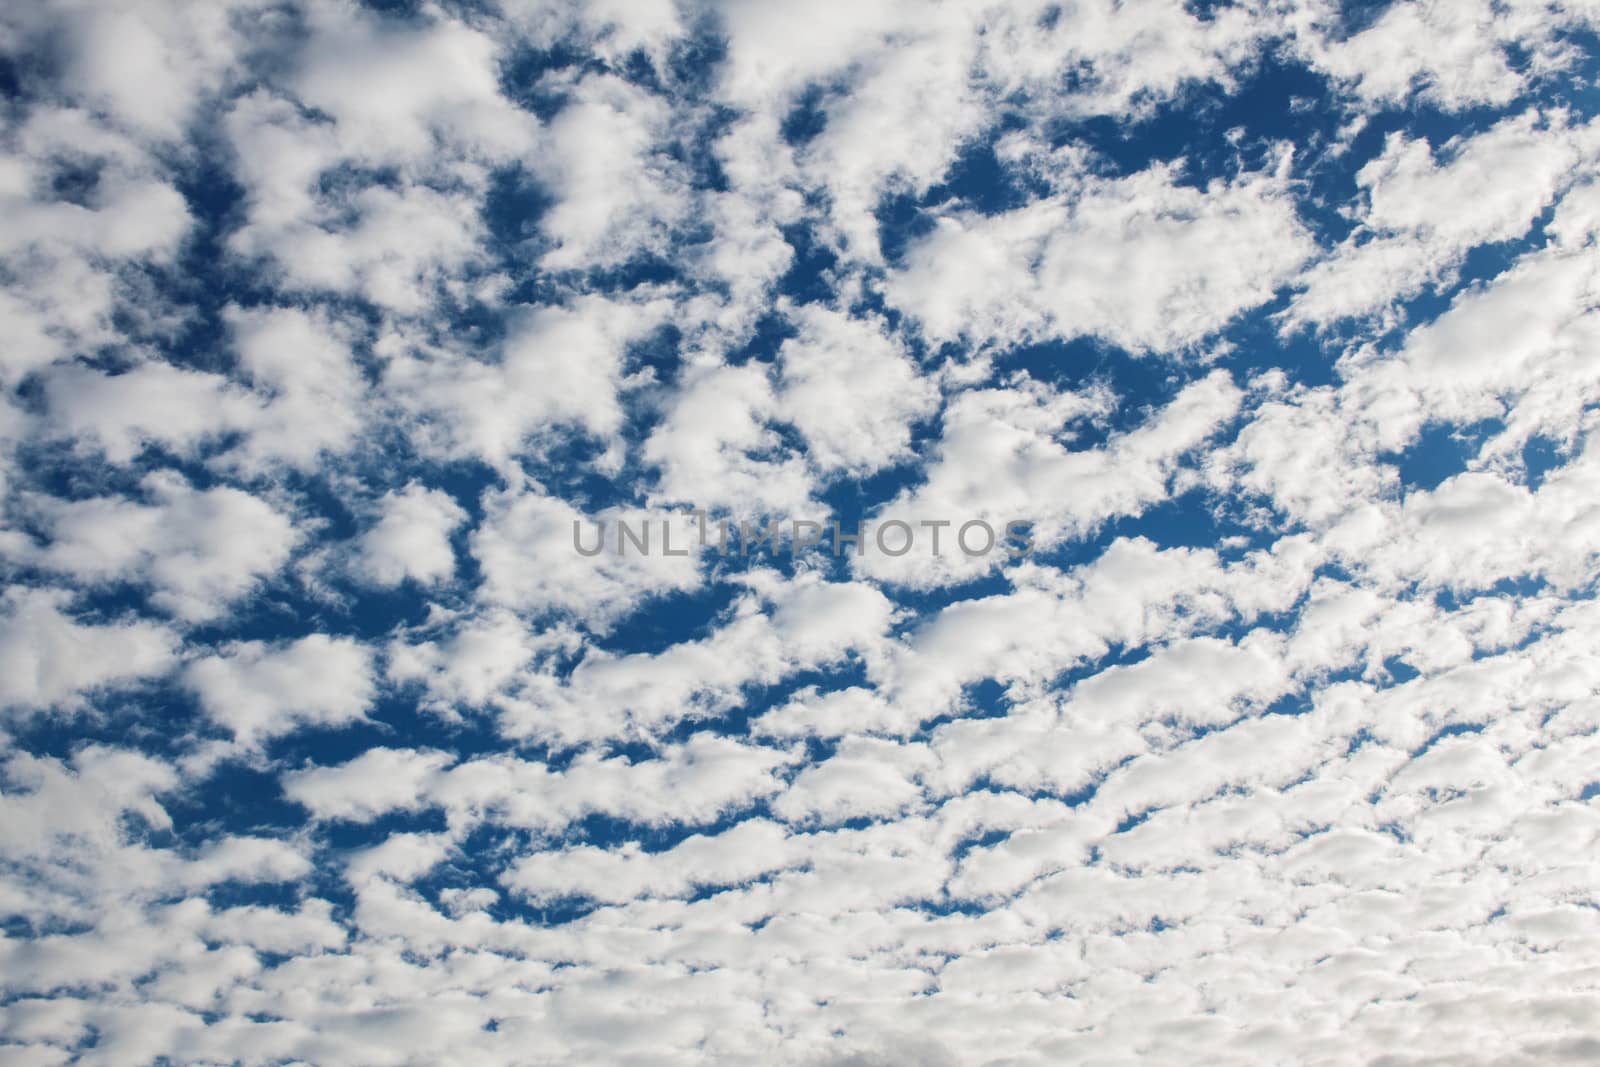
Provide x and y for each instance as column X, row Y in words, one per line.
column 1265, row 337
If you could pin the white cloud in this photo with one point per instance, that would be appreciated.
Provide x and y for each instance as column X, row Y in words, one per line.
column 149, row 64
column 752, row 848
column 199, row 550
column 72, row 264
column 50, row 659
column 1421, row 217
column 851, row 391
column 558, row 369
column 394, row 90
column 395, row 248
column 259, row 692
column 865, row 779
column 1004, row 456
column 411, row 539
column 153, row 403
column 303, row 364
column 299, row 400
column 131, row 217
column 377, row 781
column 477, row 662
column 807, row 624
column 694, row 783
column 904, row 85
column 716, row 450
column 1142, row 262
column 1452, row 55
column 617, row 195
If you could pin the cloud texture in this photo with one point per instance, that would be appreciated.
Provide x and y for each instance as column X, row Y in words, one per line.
column 1274, row 323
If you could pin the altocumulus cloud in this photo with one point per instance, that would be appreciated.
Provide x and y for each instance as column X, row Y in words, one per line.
column 1273, row 325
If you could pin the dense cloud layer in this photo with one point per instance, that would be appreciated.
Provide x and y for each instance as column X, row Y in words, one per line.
column 325, row 324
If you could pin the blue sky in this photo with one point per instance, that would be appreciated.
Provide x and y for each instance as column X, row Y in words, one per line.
column 1273, row 325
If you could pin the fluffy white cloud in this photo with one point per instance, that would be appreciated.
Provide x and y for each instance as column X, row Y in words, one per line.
column 298, row 401
column 303, row 364
column 751, row 849
column 1004, row 456
column 411, row 539
column 147, row 64
column 806, row 624
column 50, row 658
column 694, row 783
column 130, row 218
column 379, row 780
column 617, row 194
column 1421, row 217
column 153, row 403
column 1454, row 56
column 363, row 71
column 903, row 86
column 851, row 391
column 258, row 692
column 1142, row 261
column 717, row 450
column 198, row 550
column 73, row 264
column 478, row 660
column 558, row 369
column 864, row 779
column 396, row 250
